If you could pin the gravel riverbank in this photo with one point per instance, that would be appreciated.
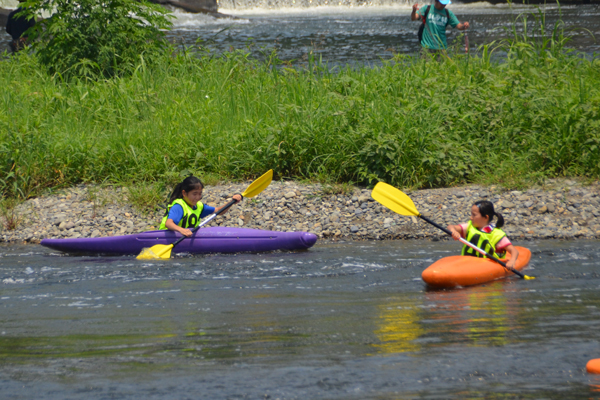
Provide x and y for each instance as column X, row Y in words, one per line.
column 560, row 209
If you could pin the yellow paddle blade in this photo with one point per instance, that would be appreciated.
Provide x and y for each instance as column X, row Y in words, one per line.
column 528, row 278
column 259, row 184
column 394, row 199
column 155, row 252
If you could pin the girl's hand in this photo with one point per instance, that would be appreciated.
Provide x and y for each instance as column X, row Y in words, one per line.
column 511, row 264
column 173, row 227
column 415, row 7
column 454, row 231
column 237, row 197
column 185, row 232
column 514, row 256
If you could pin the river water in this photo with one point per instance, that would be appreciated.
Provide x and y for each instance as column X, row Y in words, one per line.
column 357, row 34
column 368, row 34
column 348, row 320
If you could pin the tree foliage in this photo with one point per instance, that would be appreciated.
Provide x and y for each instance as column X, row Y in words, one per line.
column 97, row 38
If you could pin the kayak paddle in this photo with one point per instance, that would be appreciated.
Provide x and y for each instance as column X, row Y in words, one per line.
column 400, row 203
column 163, row 251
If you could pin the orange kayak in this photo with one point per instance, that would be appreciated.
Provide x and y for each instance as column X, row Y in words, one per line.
column 467, row 271
column 593, row 366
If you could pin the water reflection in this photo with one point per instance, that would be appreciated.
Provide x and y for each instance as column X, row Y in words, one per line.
column 201, row 341
column 399, row 326
column 476, row 316
column 36, row 348
column 481, row 316
column 595, row 389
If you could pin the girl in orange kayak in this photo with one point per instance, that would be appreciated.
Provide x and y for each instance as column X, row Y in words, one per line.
column 481, row 232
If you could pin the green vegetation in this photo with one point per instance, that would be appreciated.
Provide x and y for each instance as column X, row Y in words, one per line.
column 10, row 219
column 88, row 38
column 144, row 198
column 344, row 189
column 530, row 114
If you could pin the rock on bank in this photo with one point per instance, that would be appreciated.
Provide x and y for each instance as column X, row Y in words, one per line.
column 561, row 209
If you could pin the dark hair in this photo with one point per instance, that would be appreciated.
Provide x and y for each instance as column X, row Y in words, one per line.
column 486, row 209
column 188, row 184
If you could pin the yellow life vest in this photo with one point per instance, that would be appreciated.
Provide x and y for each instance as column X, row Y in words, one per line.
column 483, row 240
column 191, row 217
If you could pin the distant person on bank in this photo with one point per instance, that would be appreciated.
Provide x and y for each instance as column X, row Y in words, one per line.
column 16, row 27
column 436, row 19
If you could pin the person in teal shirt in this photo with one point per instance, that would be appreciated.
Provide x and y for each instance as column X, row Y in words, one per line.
column 436, row 18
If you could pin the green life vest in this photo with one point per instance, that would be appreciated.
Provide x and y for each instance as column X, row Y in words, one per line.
column 483, row 240
column 191, row 217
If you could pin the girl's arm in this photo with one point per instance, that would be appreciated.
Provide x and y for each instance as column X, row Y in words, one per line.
column 174, row 227
column 456, row 231
column 236, row 197
column 514, row 254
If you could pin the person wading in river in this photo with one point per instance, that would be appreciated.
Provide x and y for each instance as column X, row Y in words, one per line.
column 432, row 34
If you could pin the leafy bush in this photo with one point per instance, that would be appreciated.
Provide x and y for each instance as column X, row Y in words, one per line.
column 531, row 114
column 91, row 38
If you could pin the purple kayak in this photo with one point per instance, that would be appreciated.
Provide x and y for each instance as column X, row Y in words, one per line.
column 205, row 240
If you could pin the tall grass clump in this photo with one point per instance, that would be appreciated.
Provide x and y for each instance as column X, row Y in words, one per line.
column 10, row 218
column 531, row 114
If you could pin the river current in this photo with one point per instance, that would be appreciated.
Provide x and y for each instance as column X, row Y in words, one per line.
column 368, row 35
column 347, row 320
column 360, row 34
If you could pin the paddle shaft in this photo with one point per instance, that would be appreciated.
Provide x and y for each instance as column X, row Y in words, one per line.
column 207, row 220
column 471, row 245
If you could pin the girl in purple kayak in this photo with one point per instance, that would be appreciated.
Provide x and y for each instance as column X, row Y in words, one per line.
column 185, row 210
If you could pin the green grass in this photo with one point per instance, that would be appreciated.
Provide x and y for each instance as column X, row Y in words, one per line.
column 10, row 219
column 531, row 114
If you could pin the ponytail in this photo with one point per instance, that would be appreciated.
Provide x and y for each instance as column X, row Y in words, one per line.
column 176, row 194
column 188, row 184
column 486, row 209
column 500, row 222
